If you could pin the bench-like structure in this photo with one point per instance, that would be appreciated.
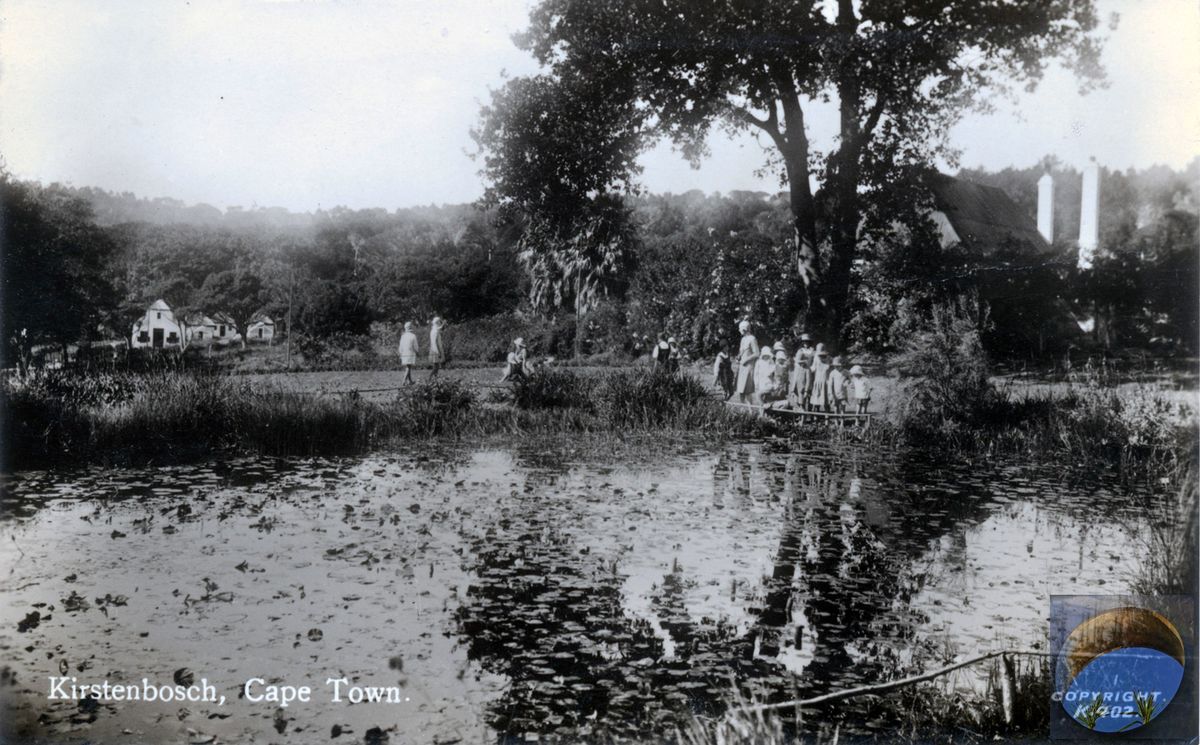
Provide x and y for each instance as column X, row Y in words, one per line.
column 825, row 417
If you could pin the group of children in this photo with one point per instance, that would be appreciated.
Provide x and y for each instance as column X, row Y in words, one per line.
column 806, row 381
column 666, row 354
column 809, row 380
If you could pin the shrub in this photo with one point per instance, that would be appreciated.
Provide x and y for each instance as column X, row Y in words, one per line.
column 948, row 402
column 278, row 422
column 944, row 371
column 431, row 407
column 548, row 388
column 76, row 389
column 483, row 339
column 38, row 428
column 487, row 339
column 631, row 399
column 338, row 351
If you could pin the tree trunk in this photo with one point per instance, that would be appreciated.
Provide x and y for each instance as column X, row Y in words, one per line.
column 288, row 329
column 578, row 320
column 843, row 243
column 829, row 294
column 825, row 287
column 804, row 221
column 845, row 174
column 792, row 143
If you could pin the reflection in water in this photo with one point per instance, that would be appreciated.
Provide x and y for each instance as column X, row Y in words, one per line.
column 535, row 591
column 855, row 548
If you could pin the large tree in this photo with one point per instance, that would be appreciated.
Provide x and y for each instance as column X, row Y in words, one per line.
column 54, row 288
column 238, row 292
column 557, row 166
column 621, row 74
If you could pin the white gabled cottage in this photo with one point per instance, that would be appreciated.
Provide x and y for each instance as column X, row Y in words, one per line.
column 158, row 328
column 260, row 328
column 225, row 330
column 200, row 329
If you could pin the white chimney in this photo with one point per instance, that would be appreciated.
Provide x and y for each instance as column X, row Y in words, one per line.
column 1089, row 215
column 1046, row 207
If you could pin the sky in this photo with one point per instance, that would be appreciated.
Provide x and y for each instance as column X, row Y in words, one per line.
column 310, row 104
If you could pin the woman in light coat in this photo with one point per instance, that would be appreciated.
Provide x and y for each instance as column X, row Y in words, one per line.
column 437, row 347
column 409, row 349
column 747, row 356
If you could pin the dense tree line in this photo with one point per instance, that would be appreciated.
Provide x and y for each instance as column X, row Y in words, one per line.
column 701, row 262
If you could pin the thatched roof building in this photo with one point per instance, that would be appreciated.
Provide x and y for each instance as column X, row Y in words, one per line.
column 982, row 219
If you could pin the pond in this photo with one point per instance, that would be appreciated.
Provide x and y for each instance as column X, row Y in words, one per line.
column 529, row 591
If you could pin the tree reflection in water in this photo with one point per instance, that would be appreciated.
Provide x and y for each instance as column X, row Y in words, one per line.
column 835, row 610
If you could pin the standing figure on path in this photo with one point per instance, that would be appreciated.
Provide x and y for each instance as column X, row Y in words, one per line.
column 747, row 356
column 409, row 349
column 437, row 347
column 674, row 356
column 659, row 356
column 818, row 400
column 723, row 377
column 800, row 386
column 764, row 377
column 838, row 382
column 861, row 387
column 781, row 383
column 806, row 346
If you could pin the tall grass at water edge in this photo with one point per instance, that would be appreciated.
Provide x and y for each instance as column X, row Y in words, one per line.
column 939, row 710
column 946, row 401
column 167, row 417
column 635, row 400
column 123, row 418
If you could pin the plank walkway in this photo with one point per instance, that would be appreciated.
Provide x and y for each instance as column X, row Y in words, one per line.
column 806, row 417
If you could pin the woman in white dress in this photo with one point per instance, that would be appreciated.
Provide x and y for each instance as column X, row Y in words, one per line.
column 437, row 347
column 819, row 399
column 747, row 356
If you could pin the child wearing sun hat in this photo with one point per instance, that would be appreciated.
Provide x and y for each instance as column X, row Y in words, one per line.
column 779, row 384
column 764, row 376
column 861, row 388
column 837, row 385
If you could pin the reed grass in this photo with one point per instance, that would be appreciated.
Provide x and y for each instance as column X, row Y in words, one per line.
column 1140, row 434
column 933, row 711
column 1168, row 561
column 946, row 402
column 172, row 417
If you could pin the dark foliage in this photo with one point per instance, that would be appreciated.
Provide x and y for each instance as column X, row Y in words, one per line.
column 550, row 388
column 54, row 270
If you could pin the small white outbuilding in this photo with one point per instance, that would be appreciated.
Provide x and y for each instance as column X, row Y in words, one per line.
column 260, row 329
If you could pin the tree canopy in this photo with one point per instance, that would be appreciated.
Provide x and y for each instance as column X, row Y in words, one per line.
column 55, row 284
column 619, row 75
